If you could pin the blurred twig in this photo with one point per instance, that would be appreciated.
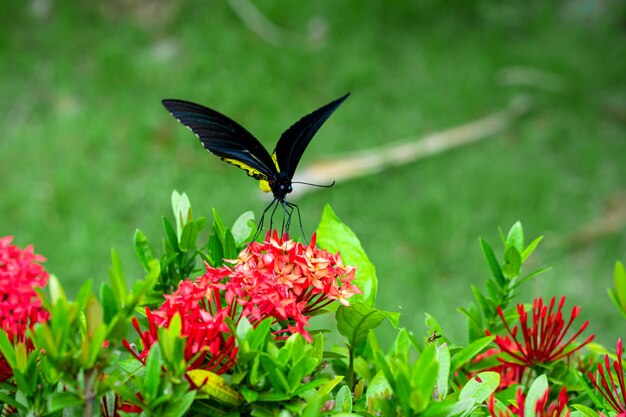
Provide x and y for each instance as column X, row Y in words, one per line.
column 613, row 219
column 371, row 161
column 256, row 21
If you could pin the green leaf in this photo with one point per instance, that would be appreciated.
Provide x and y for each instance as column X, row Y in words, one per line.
column 152, row 377
column 188, row 237
column 443, row 373
column 482, row 302
column 356, row 321
column 93, row 315
column 469, row 352
column 536, row 391
column 215, row 248
column 170, row 233
column 143, row 249
column 343, row 400
column 479, row 391
column 179, row 407
column 118, row 283
column 313, row 406
column 13, row 402
column 378, row 388
column 243, row 228
column 182, row 211
column 424, row 375
column 215, row 386
column 230, row 248
column 449, row 409
column 274, row 373
column 616, row 302
column 83, row 294
column 334, row 236
column 494, row 266
column 401, row 345
column 7, row 349
column 585, row 411
column 619, row 277
column 56, row 290
column 531, row 248
column 110, row 306
column 515, row 238
column 512, row 263
column 61, row 400
column 220, row 228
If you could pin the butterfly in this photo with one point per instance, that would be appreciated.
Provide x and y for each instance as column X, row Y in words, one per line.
column 231, row 142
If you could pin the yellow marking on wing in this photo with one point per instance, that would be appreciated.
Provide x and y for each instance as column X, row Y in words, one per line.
column 275, row 161
column 265, row 186
column 251, row 171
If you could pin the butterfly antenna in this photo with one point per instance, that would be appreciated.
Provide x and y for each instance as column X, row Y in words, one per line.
column 314, row 185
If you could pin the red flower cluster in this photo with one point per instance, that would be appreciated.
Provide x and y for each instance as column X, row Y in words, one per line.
column 20, row 306
column 613, row 388
column 558, row 409
column 543, row 340
column 286, row 280
column 278, row 278
column 203, row 324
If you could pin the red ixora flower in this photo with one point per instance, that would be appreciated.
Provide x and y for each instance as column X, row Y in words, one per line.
column 510, row 374
column 556, row 409
column 278, row 278
column 20, row 306
column 613, row 388
column 543, row 339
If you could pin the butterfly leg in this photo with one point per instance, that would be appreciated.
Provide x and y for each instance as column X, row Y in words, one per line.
column 260, row 225
column 275, row 203
column 292, row 207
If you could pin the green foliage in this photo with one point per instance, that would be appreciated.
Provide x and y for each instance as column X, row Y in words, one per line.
column 333, row 235
column 82, row 361
column 618, row 295
column 506, row 277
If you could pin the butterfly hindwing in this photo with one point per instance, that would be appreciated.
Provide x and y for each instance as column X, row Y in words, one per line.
column 293, row 141
column 224, row 137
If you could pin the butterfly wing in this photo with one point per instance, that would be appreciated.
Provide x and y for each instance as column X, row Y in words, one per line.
column 294, row 140
column 224, row 137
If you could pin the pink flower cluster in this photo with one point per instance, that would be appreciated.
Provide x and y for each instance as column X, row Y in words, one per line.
column 278, row 278
column 20, row 306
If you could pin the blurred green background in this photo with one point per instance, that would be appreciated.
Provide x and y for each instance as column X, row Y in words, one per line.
column 88, row 154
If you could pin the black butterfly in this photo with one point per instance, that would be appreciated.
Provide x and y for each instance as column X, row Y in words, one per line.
column 227, row 139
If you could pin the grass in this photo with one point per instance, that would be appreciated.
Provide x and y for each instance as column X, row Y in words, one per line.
column 88, row 153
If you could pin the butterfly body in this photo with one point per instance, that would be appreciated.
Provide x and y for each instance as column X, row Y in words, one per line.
column 231, row 142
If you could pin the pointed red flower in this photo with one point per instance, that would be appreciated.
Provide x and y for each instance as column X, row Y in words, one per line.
column 543, row 339
column 20, row 306
column 612, row 384
column 209, row 344
column 510, row 374
column 278, row 278
column 556, row 409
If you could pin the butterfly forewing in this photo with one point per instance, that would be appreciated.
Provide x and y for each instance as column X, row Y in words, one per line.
column 224, row 137
column 294, row 140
